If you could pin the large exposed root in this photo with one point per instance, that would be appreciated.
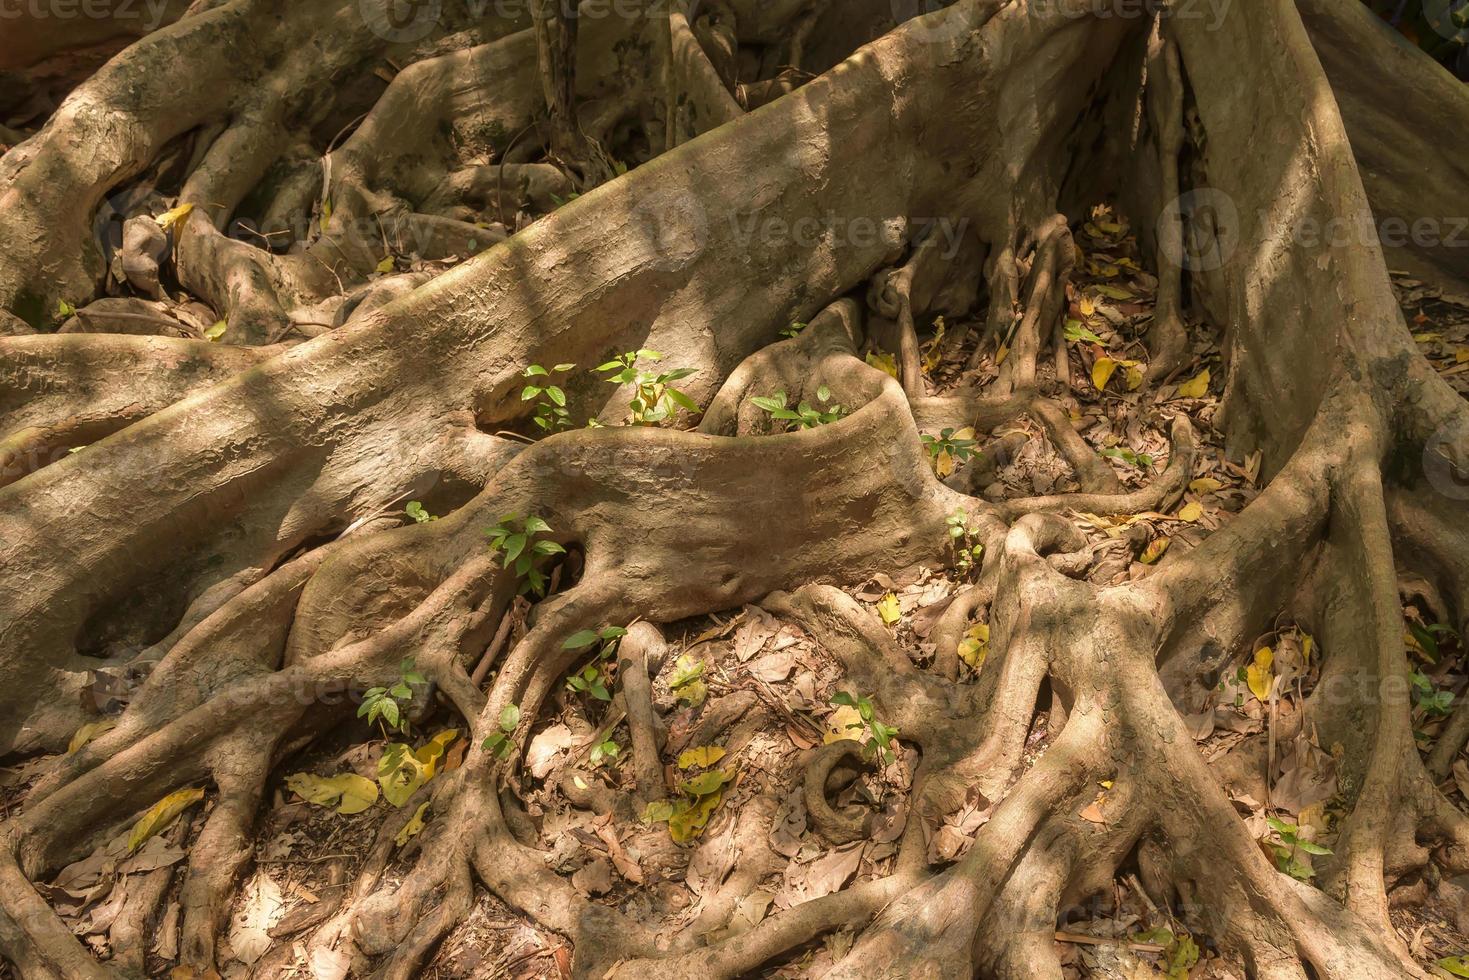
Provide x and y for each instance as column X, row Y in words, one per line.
column 266, row 574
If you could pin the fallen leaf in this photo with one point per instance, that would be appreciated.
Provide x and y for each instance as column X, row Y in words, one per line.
column 429, row 753
column 844, row 722
column 412, row 827
column 347, row 792
column 88, row 732
column 700, row 757
column 161, row 815
column 1191, row 511
column 1102, row 370
column 1155, row 550
column 1205, row 484
column 1195, row 387
column 1259, row 676
column 889, row 609
column 173, row 216
column 217, row 331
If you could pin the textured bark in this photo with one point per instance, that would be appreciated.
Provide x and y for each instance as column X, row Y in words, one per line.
column 225, row 522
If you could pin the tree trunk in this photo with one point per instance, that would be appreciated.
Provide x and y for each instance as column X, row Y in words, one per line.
column 385, row 235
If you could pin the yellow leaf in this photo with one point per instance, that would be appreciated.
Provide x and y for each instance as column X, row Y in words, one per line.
column 403, row 781
column 889, row 609
column 1308, row 643
column 704, row 755
column 161, row 815
column 975, row 645
column 1154, row 550
column 1195, row 387
column 430, row 752
column 1426, row 338
column 1087, row 306
column 935, row 354
column 1205, row 484
column 348, row 792
column 217, row 331
column 169, row 218
column 1110, row 227
column 1113, row 292
column 1259, row 676
column 1461, row 355
column 883, row 361
column 387, row 265
column 1191, row 511
column 1134, row 377
column 1001, row 353
column 690, row 823
column 412, row 827
column 88, row 732
column 1102, row 370
column 844, row 722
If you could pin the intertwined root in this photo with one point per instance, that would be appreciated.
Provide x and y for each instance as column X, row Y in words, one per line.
column 280, row 579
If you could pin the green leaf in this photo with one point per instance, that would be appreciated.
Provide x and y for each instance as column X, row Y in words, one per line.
column 556, row 395
column 1455, row 965
column 533, row 370
column 217, row 331
column 684, row 401
column 580, row 639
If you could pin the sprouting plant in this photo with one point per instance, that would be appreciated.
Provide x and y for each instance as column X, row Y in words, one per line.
column 962, row 540
column 947, row 451
column 551, row 414
column 1432, row 700
column 1426, row 639
column 499, row 742
column 605, row 751
column 593, row 679
column 794, row 330
column 654, row 397
column 420, row 516
column 386, row 702
column 1286, row 848
column 803, row 416
column 880, row 739
column 521, row 549
column 1142, row 461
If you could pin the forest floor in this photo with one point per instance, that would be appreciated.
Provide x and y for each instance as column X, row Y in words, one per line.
column 745, row 698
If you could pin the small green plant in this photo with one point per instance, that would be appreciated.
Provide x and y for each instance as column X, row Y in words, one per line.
column 420, row 516
column 593, row 679
column 605, row 751
column 794, row 330
column 654, row 397
column 65, row 309
column 947, row 451
column 1434, row 702
column 551, row 413
column 1288, row 845
column 387, row 702
column 880, row 740
column 803, row 416
column 1142, row 461
column 1427, row 638
column 962, row 540
column 499, row 742
column 522, row 549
